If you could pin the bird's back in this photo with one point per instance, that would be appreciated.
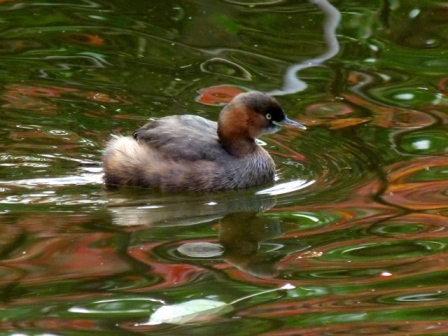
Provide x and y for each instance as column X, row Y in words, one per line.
column 183, row 137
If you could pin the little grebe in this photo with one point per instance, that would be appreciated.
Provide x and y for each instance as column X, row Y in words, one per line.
column 190, row 153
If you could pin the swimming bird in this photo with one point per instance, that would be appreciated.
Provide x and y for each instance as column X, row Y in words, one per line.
column 191, row 153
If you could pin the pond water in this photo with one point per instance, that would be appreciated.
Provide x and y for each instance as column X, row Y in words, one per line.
column 351, row 239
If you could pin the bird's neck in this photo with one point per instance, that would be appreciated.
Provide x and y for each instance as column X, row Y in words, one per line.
column 233, row 131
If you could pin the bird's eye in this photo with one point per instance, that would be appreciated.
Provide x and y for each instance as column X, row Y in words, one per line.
column 268, row 116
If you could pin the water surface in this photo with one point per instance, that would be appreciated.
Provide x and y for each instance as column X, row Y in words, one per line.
column 354, row 226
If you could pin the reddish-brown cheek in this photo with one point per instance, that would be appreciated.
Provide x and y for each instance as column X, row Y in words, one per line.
column 233, row 122
column 256, row 124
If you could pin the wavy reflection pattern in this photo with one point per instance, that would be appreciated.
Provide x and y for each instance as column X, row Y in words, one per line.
column 356, row 220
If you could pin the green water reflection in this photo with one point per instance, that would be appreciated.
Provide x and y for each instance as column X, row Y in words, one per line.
column 356, row 220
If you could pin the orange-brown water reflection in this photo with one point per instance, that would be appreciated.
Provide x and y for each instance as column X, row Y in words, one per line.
column 356, row 220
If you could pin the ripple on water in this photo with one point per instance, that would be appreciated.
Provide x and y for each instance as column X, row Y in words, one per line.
column 368, row 250
column 424, row 142
column 412, row 225
column 418, row 184
column 328, row 165
column 364, row 251
column 365, row 244
column 69, row 192
column 355, row 314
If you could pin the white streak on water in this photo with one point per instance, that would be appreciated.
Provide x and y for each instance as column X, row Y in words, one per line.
column 291, row 83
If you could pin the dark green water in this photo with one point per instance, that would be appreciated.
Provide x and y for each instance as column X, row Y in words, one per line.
column 356, row 221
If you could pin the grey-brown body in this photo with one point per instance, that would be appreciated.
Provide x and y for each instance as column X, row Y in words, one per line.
column 190, row 153
column 199, row 163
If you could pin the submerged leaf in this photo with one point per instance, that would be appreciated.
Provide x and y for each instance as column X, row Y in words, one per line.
column 198, row 309
column 187, row 311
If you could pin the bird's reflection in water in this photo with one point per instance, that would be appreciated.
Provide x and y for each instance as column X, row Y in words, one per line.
column 244, row 229
column 137, row 206
column 241, row 233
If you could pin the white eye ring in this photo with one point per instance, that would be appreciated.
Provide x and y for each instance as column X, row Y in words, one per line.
column 268, row 116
